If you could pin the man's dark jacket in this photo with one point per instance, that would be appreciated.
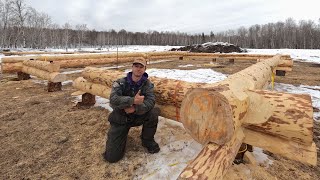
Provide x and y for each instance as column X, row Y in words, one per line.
column 124, row 90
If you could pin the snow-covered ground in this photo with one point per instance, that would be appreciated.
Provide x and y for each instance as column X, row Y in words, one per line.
column 307, row 55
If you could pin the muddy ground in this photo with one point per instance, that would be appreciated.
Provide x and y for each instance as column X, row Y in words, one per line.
column 46, row 136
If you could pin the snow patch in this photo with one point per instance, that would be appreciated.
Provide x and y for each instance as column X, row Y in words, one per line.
column 261, row 157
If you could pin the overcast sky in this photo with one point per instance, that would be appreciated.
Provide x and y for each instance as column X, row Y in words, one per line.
column 191, row 16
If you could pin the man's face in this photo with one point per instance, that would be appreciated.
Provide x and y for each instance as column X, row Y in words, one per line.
column 138, row 70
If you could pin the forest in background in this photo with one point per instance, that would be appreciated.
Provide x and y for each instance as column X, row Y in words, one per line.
column 23, row 26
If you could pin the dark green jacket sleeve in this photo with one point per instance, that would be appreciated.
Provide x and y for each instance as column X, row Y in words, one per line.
column 149, row 99
column 117, row 100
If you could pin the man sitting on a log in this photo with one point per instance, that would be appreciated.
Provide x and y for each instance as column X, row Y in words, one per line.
column 132, row 99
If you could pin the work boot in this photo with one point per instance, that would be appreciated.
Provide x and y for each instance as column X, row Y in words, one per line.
column 151, row 145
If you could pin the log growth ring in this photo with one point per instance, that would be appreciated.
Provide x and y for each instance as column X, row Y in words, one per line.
column 207, row 116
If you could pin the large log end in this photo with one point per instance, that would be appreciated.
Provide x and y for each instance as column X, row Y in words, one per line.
column 207, row 116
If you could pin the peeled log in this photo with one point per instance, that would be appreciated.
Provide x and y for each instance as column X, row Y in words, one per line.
column 15, row 59
column 214, row 160
column 283, row 115
column 208, row 117
column 75, row 56
column 82, row 84
column 89, row 62
column 43, row 65
column 292, row 150
column 11, row 67
column 167, row 91
column 53, row 77
column 92, row 88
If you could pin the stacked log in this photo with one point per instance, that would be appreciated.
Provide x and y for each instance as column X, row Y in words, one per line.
column 223, row 115
column 99, row 82
column 83, row 60
column 44, row 70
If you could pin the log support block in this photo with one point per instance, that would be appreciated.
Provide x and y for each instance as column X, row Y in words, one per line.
column 231, row 61
column 23, row 76
column 52, row 86
column 87, row 100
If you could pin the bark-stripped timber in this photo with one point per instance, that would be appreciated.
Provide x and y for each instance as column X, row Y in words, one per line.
column 214, row 160
column 43, row 52
column 168, row 111
column 164, row 57
column 300, row 152
column 90, row 62
column 233, row 89
column 53, row 77
column 233, row 55
column 43, row 65
column 11, row 67
column 19, row 59
column 74, row 56
column 249, row 158
column 283, row 115
column 232, row 95
column 167, row 91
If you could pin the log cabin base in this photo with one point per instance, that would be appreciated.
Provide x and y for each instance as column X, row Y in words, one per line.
column 54, row 86
column 23, row 76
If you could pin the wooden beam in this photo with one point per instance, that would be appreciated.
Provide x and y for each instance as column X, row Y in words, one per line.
column 43, row 65
column 53, row 77
column 300, row 152
column 284, row 115
column 214, row 160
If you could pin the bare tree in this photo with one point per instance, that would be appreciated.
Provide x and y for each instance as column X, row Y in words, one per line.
column 66, row 35
column 6, row 8
column 20, row 11
column 81, row 29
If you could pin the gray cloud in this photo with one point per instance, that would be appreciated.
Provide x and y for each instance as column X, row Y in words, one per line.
column 191, row 16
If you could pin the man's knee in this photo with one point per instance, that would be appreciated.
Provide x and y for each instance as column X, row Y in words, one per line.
column 117, row 117
column 113, row 156
column 152, row 118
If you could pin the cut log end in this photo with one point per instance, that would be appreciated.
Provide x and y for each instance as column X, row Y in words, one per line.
column 54, row 86
column 207, row 116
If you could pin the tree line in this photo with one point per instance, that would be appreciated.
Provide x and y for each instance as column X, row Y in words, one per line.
column 23, row 26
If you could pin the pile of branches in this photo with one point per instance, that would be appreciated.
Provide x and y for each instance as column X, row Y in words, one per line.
column 211, row 47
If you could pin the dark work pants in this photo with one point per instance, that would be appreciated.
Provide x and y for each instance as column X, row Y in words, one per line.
column 120, row 126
